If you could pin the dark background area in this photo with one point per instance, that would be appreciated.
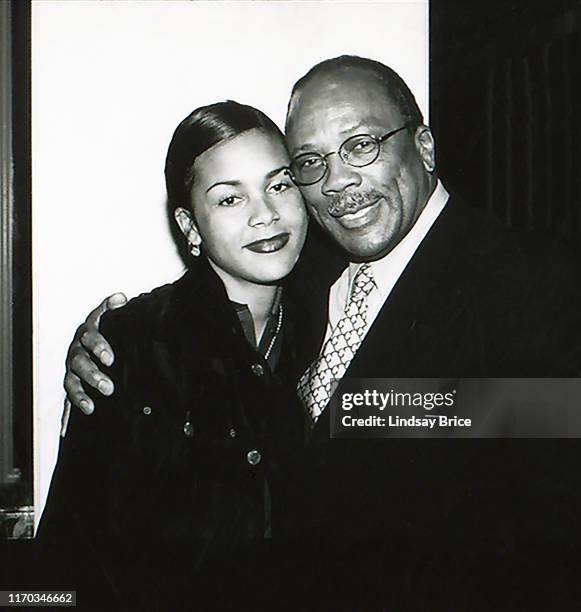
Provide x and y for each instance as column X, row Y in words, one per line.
column 504, row 85
column 17, row 495
column 22, row 248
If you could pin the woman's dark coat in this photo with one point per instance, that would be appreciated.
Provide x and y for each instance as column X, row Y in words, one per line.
column 166, row 481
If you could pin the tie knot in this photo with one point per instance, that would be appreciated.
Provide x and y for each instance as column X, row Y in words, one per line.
column 363, row 282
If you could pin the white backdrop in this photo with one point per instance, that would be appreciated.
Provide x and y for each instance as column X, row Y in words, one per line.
column 110, row 82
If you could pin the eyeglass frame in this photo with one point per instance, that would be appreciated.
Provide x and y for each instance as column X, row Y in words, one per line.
column 378, row 139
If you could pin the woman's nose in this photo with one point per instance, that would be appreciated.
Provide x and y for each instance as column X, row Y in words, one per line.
column 264, row 212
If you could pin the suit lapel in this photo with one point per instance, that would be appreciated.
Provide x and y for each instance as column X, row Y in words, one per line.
column 416, row 313
column 418, row 310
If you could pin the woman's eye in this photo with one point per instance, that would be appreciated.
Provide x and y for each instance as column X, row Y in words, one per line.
column 229, row 201
column 280, row 187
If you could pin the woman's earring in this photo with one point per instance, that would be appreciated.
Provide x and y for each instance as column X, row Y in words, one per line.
column 195, row 249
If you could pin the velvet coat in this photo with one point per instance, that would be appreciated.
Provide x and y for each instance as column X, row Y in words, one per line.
column 162, row 489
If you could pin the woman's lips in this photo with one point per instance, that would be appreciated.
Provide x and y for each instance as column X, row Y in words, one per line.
column 269, row 245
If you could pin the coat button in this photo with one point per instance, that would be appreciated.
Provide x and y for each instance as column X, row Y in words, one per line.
column 189, row 429
column 146, row 410
column 253, row 457
column 232, row 433
column 257, row 369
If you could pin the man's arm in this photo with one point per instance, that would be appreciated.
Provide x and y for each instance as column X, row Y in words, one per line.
column 87, row 350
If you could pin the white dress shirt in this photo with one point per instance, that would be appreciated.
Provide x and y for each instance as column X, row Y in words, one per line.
column 388, row 269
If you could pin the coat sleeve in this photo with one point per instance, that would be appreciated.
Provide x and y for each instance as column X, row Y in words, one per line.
column 79, row 531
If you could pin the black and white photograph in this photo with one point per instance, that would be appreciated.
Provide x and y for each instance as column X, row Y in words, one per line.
column 219, row 217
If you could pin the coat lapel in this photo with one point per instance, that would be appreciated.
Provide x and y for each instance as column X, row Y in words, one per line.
column 197, row 325
column 403, row 340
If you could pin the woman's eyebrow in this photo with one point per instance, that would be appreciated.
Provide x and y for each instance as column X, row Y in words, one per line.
column 232, row 183
column 276, row 171
column 235, row 183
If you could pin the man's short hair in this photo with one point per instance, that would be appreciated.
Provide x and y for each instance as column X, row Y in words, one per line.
column 395, row 86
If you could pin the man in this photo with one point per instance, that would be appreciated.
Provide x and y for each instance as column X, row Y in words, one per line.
column 432, row 289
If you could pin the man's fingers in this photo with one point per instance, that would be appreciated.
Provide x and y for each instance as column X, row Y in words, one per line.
column 89, row 334
column 87, row 371
column 113, row 301
column 76, row 394
column 116, row 301
column 94, row 342
column 80, row 366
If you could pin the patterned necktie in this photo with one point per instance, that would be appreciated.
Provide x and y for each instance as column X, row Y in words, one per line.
column 314, row 388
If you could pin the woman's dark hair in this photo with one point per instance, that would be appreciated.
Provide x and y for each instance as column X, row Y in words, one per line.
column 198, row 132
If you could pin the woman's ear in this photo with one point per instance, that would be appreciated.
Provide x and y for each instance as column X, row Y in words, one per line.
column 188, row 228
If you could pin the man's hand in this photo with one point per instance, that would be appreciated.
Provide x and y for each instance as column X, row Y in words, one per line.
column 87, row 347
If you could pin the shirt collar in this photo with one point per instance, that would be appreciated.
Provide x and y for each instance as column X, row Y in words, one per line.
column 247, row 321
column 403, row 252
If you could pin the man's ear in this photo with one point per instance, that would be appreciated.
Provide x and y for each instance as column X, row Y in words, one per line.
column 187, row 226
column 426, row 147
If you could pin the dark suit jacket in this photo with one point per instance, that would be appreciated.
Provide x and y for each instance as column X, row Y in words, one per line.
column 156, row 494
column 476, row 300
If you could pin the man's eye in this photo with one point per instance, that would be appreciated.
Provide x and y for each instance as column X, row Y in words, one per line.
column 363, row 146
column 310, row 162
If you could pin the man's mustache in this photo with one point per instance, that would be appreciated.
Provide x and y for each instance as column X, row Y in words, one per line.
column 350, row 202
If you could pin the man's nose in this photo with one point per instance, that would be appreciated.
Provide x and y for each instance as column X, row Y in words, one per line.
column 263, row 212
column 339, row 176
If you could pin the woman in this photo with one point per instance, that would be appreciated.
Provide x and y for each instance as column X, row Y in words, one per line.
column 183, row 468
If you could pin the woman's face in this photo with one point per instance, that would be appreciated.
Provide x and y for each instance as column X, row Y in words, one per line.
column 247, row 213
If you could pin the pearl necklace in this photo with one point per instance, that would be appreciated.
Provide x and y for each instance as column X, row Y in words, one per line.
column 278, row 327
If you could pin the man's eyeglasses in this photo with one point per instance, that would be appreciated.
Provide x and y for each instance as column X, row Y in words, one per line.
column 360, row 150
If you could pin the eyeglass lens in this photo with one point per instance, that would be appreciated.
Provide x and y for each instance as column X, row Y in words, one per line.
column 360, row 150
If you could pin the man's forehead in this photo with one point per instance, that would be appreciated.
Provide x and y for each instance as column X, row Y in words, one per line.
column 360, row 89
column 339, row 107
column 335, row 123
